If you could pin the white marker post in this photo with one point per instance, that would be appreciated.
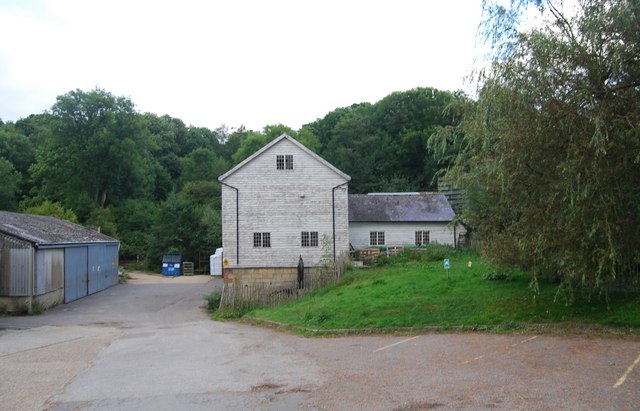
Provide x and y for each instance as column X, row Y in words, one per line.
column 447, row 265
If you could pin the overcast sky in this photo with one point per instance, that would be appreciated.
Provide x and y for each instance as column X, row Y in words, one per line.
column 250, row 63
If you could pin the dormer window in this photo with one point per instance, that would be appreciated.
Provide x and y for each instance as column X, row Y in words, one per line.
column 284, row 162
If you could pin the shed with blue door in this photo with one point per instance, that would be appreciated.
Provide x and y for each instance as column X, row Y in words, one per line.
column 172, row 264
column 48, row 261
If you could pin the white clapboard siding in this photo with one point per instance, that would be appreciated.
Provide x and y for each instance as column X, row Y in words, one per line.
column 283, row 203
column 401, row 233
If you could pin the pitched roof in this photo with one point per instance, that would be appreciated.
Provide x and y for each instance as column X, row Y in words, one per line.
column 284, row 136
column 41, row 230
column 400, row 207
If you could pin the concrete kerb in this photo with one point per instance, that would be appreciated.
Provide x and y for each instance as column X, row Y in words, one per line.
column 512, row 328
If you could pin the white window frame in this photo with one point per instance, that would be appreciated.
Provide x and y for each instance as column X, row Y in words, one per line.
column 261, row 240
column 376, row 238
column 309, row 239
column 422, row 237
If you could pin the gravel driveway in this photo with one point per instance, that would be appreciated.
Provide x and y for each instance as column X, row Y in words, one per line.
column 148, row 344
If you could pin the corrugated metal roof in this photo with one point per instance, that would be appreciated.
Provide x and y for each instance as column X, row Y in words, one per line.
column 399, row 207
column 43, row 230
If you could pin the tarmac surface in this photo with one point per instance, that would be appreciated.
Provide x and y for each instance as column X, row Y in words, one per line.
column 149, row 344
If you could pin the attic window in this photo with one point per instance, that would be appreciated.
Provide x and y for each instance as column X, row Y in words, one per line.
column 284, row 162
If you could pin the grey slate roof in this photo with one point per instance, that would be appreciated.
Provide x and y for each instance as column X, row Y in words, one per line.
column 43, row 230
column 413, row 207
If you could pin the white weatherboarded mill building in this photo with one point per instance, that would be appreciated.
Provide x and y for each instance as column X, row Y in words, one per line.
column 277, row 206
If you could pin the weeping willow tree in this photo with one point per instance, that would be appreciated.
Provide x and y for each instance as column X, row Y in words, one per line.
column 550, row 156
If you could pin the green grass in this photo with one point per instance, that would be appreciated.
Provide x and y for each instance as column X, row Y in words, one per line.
column 411, row 293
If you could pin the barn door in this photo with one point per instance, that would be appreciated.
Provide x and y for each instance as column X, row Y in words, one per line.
column 76, row 277
column 96, row 269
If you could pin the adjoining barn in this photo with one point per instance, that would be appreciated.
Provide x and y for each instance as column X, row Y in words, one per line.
column 401, row 219
column 277, row 207
column 47, row 261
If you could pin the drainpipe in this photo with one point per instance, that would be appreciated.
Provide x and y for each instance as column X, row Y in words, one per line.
column 455, row 245
column 237, row 221
column 333, row 205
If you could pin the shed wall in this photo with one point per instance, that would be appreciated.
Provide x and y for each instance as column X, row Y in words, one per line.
column 49, row 270
column 16, row 267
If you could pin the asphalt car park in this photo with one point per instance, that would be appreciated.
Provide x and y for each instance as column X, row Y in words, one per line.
column 149, row 344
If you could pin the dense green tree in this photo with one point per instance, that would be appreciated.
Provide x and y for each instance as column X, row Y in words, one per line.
column 96, row 151
column 16, row 147
column 103, row 220
column 52, row 209
column 551, row 158
column 202, row 164
column 179, row 226
column 232, row 142
column 10, row 187
column 135, row 219
column 387, row 141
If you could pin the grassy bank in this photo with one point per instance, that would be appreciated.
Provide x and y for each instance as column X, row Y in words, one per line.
column 419, row 294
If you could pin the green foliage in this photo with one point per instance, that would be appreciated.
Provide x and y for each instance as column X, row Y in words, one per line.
column 48, row 208
column 438, row 252
column 497, row 275
column 213, row 300
column 202, row 164
column 104, row 220
column 17, row 148
column 383, row 146
column 10, row 186
column 179, row 225
column 96, row 148
column 551, row 157
column 135, row 220
column 37, row 308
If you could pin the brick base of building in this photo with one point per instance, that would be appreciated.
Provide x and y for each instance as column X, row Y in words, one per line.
column 258, row 275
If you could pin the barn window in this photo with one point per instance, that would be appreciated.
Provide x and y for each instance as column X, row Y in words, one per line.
column 309, row 239
column 376, row 238
column 422, row 237
column 284, row 162
column 262, row 239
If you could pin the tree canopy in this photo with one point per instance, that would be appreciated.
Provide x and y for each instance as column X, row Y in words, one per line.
column 551, row 150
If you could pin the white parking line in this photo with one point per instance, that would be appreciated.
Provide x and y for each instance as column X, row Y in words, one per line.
column 524, row 341
column 472, row 360
column 512, row 345
column 624, row 376
column 394, row 344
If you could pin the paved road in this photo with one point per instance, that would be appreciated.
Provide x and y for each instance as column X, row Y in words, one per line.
column 148, row 345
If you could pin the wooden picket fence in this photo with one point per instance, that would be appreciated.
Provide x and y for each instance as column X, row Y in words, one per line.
column 257, row 295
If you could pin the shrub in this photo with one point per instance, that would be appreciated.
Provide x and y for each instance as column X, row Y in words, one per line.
column 437, row 252
column 213, row 300
column 495, row 275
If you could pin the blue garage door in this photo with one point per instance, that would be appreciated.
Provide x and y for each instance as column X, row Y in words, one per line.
column 75, row 273
column 103, row 267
